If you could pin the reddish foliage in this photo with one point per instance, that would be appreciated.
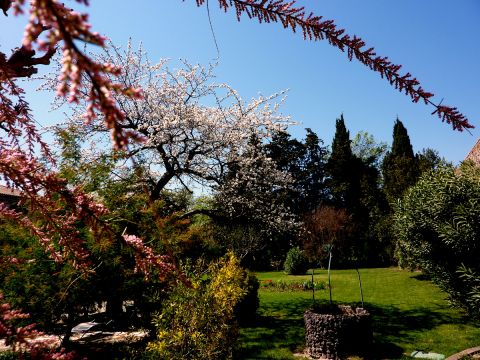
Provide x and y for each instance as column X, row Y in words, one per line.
column 56, row 206
column 26, row 338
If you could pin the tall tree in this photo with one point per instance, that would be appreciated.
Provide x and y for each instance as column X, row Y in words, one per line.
column 400, row 165
column 342, row 167
column 313, row 178
column 354, row 186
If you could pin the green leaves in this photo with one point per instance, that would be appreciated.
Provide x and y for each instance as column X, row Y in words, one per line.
column 437, row 224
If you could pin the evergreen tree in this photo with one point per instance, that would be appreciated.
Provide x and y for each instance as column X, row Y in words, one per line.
column 313, row 177
column 342, row 168
column 400, row 165
column 354, row 186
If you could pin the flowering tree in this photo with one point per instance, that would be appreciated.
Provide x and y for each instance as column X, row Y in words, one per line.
column 185, row 139
column 26, row 338
column 58, row 206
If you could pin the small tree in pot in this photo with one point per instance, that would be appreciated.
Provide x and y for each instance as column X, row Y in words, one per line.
column 333, row 331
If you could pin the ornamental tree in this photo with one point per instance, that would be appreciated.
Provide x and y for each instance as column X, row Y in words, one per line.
column 305, row 162
column 184, row 140
column 437, row 225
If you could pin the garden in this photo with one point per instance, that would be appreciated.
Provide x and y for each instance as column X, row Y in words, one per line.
column 409, row 314
column 164, row 216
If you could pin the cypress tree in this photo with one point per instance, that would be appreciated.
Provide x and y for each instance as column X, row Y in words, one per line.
column 400, row 165
column 342, row 170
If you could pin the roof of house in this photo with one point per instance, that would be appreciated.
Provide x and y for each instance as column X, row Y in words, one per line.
column 4, row 190
column 474, row 154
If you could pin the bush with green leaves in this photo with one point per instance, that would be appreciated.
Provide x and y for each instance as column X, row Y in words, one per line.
column 198, row 320
column 296, row 263
column 437, row 225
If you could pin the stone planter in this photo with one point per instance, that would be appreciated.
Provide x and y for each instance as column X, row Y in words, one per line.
column 335, row 332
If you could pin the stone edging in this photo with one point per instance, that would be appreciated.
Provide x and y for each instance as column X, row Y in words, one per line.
column 471, row 351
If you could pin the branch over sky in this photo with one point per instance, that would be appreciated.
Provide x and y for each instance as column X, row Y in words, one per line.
column 315, row 28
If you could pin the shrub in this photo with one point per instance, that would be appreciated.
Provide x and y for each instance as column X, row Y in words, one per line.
column 296, row 262
column 310, row 285
column 198, row 321
column 438, row 229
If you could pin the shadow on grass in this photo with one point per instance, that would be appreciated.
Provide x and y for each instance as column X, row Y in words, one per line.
column 421, row 277
column 392, row 325
column 280, row 330
column 276, row 333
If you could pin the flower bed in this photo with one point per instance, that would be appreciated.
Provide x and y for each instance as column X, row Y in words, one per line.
column 281, row 285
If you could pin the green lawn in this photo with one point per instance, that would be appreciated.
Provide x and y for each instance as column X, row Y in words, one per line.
column 409, row 313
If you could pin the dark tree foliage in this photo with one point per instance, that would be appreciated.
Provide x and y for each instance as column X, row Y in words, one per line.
column 429, row 159
column 354, row 186
column 305, row 162
column 312, row 179
column 400, row 165
column 343, row 171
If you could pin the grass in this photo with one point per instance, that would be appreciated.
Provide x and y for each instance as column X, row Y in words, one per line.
column 409, row 313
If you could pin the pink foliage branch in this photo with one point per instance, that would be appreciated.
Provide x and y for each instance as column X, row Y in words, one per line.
column 57, row 209
column 61, row 25
column 25, row 338
column 315, row 28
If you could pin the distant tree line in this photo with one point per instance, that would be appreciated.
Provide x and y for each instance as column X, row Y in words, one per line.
column 355, row 182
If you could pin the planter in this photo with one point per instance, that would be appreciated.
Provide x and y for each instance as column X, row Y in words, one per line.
column 335, row 332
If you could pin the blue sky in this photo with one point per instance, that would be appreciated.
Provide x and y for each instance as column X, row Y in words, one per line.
column 435, row 40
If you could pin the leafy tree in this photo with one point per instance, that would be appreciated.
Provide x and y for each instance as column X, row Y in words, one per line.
column 429, row 159
column 354, row 185
column 400, row 166
column 366, row 148
column 312, row 180
column 327, row 228
column 438, row 229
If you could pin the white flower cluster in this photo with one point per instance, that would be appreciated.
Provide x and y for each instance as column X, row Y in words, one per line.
column 188, row 127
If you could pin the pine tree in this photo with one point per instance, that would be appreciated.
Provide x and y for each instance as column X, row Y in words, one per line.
column 400, row 165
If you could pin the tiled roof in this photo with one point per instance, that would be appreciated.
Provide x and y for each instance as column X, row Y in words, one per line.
column 7, row 191
column 474, row 154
